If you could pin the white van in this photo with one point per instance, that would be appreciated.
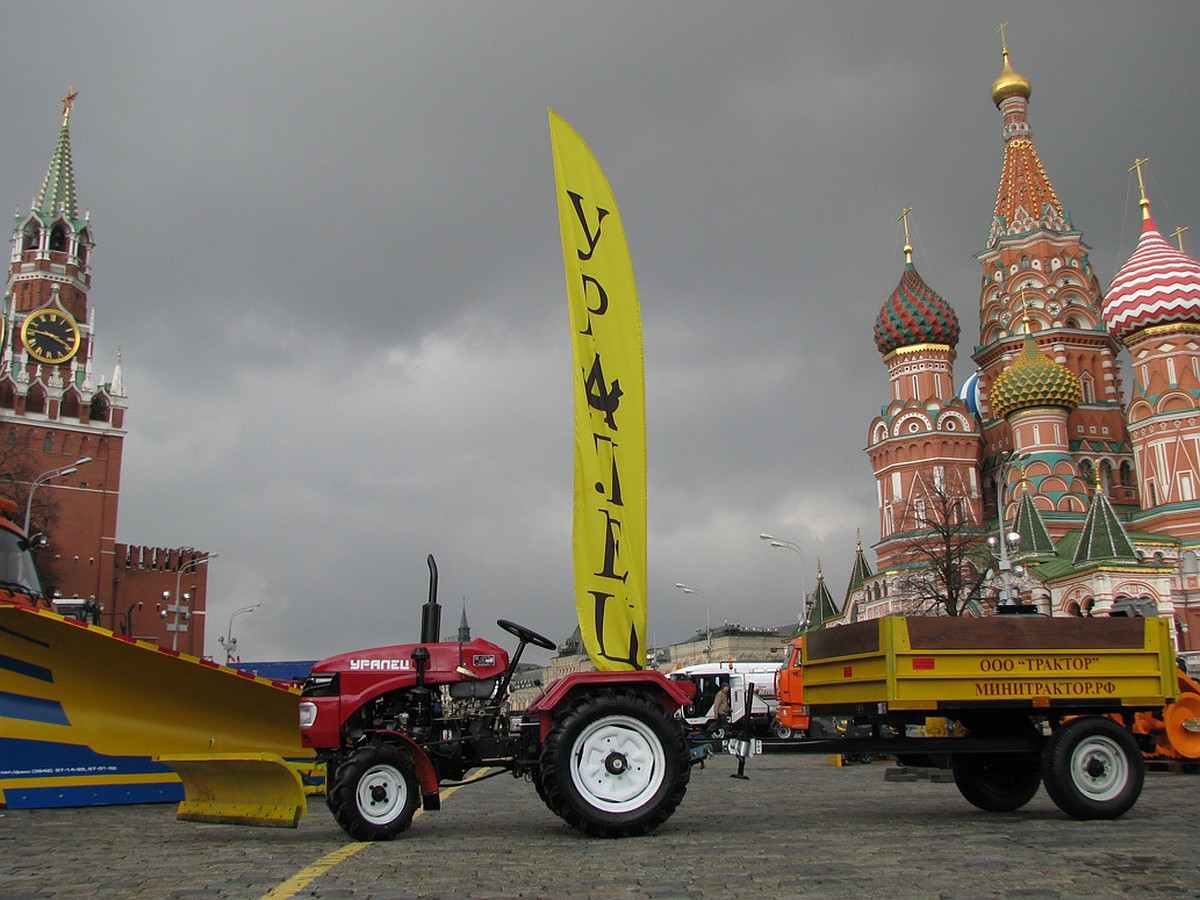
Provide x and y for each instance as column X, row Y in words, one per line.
column 711, row 677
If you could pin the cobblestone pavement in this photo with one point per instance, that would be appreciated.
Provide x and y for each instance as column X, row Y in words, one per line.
column 797, row 827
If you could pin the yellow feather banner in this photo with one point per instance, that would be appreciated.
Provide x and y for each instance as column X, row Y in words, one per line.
column 609, row 535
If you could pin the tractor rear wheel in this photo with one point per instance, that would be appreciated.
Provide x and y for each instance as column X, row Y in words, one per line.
column 374, row 795
column 615, row 764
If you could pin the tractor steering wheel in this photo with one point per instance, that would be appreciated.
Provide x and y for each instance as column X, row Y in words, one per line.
column 525, row 634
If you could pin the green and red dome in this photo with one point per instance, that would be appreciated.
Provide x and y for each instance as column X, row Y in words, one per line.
column 914, row 314
column 1034, row 380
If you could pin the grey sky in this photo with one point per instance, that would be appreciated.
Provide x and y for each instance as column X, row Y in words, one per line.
column 327, row 247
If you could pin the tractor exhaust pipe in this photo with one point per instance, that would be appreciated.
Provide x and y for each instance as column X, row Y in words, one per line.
column 431, row 612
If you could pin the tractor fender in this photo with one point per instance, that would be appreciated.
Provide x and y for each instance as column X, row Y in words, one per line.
column 670, row 694
column 426, row 774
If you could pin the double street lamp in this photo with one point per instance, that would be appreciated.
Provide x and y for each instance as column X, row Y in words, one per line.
column 47, row 476
column 1003, row 544
column 179, row 606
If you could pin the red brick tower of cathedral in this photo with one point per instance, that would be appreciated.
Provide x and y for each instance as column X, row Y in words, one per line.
column 1153, row 306
column 1036, row 269
column 924, row 444
column 62, row 432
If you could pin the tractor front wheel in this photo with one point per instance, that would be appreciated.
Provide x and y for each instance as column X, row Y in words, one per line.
column 374, row 794
column 615, row 764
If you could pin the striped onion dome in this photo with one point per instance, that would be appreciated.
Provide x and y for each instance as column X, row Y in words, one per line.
column 914, row 314
column 1159, row 285
column 1034, row 380
column 969, row 392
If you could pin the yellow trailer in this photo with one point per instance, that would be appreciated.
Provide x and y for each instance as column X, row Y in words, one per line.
column 942, row 665
column 1035, row 700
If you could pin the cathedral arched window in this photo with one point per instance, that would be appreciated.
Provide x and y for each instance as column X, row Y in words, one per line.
column 1190, row 564
column 1089, row 393
column 48, row 444
column 1126, row 474
column 32, row 236
column 58, row 238
column 1085, row 470
column 8, row 395
column 35, row 400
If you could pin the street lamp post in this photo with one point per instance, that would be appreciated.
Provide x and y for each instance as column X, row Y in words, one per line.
column 779, row 543
column 50, row 475
column 179, row 606
column 707, row 616
column 229, row 642
column 1002, row 544
column 129, row 617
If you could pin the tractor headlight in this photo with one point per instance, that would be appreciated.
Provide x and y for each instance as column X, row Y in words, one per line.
column 308, row 714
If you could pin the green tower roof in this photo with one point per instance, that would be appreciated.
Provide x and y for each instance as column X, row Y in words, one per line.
column 1103, row 536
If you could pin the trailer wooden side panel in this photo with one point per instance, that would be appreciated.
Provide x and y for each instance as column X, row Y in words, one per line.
column 941, row 664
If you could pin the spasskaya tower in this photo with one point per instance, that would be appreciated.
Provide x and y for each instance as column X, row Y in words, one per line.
column 62, row 429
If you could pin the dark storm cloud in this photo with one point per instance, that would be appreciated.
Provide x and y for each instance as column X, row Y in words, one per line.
column 327, row 247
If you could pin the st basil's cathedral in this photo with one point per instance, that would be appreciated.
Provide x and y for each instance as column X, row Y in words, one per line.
column 1089, row 496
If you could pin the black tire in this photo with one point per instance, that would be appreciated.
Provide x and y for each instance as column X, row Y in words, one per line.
column 997, row 783
column 536, row 776
column 615, row 764
column 1092, row 768
column 375, row 793
column 782, row 732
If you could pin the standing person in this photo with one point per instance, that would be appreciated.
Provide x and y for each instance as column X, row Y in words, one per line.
column 721, row 708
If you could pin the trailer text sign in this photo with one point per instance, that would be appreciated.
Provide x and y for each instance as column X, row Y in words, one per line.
column 1020, row 673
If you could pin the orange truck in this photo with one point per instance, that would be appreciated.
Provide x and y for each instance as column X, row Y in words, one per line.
column 1073, row 704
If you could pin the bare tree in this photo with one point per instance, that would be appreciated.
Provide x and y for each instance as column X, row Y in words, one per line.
column 946, row 560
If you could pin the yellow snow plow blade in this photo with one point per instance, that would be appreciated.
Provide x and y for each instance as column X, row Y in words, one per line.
column 260, row 789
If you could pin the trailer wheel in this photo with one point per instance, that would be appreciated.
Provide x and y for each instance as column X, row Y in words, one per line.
column 375, row 793
column 783, row 732
column 997, row 783
column 1092, row 768
column 615, row 765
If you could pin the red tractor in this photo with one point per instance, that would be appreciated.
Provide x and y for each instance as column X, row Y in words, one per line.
column 604, row 750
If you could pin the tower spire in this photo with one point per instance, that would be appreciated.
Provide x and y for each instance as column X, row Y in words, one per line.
column 1144, row 203
column 1178, row 235
column 908, row 250
column 58, row 189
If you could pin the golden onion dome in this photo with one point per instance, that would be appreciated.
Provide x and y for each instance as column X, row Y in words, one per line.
column 1034, row 380
column 1010, row 84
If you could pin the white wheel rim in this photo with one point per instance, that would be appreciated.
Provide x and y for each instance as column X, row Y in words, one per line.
column 617, row 764
column 1099, row 768
column 381, row 794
